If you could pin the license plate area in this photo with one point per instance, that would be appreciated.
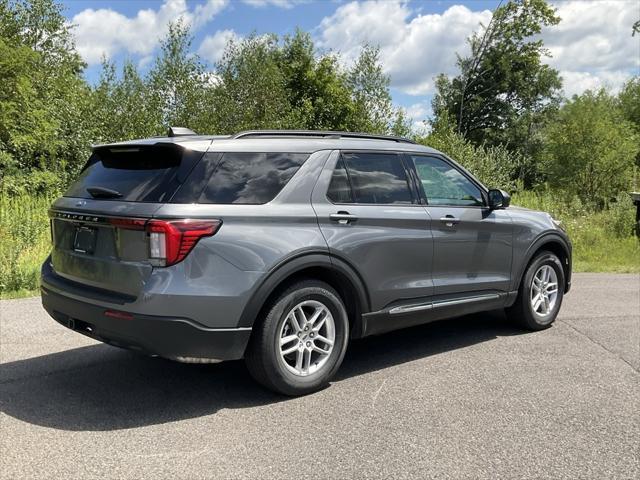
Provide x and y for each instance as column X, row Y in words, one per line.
column 84, row 240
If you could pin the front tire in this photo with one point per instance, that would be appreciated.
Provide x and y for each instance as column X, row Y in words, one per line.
column 301, row 342
column 540, row 294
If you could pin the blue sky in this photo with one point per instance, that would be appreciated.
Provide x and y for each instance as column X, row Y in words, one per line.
column 592, row 46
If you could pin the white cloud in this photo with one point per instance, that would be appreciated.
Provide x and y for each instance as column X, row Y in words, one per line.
column 144, row 61
column 212, row 47
column 577, row 82
column 594, row 35
column 275, row 3
column 107, row 32
column 591, row 47
column 356, row 23
column 205, row 12
column 419, row 113
column 413, row 48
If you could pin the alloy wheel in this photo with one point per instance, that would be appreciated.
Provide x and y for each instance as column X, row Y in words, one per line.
column 307, row 337
column 544, row 290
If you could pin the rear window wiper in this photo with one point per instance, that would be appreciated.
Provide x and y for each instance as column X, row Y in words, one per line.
column 103, row 192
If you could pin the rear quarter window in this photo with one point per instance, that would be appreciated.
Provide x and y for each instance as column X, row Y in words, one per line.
column 340, row 189
column 250, row 178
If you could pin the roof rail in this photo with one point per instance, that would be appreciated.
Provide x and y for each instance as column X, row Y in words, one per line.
column 317, row 134
column 180, row 132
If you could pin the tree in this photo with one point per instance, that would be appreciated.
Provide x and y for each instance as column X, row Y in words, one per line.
column 504, row 91
column 262, row 82
column 265, row 83
column 250, row 87
column 590, row 148
column 50, row 115
column 316, row 88
column 42, row 26
column 629, row 103
column 401, row 125
column 495, row 166
column 123, row 106
column 24, row 121
column 370, row 87
column 126, row 105
column 375, row 112
column 177, row 80
column 43, row 96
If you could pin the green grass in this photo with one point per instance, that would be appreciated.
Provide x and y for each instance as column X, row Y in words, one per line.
column 24, row 243
column 603, row 241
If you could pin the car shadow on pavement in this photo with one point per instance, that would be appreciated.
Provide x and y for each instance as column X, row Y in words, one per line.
column 98, row 388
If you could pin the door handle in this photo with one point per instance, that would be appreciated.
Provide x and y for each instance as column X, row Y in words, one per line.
column 449, row 220
column 342, row 218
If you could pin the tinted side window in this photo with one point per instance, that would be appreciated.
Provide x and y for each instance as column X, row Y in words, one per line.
column 251, row 178
column 339, row 188
column 377, row 178
column 444, row 185
column 190, row 190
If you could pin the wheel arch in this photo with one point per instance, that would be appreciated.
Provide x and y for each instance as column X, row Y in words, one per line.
column 322, row 266
column 554, row 243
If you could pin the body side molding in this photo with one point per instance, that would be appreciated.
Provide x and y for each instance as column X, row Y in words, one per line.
column 443, row 303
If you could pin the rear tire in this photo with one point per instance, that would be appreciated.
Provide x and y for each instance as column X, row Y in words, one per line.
column 301, row 342
column 540, row 294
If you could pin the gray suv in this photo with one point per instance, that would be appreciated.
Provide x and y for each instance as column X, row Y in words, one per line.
column 281, row 246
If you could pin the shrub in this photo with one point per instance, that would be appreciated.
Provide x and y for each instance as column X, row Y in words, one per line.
column 602, row 240
column 24, row 241
column 590, row 148
column 621, row 214
column 33, row 183
column 496, row 167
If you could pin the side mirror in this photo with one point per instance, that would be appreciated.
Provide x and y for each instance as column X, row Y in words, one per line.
column 498, row 199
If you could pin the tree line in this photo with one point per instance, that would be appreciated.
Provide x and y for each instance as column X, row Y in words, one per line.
column 502, row 115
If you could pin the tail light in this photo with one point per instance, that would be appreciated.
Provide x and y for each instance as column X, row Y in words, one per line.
column 170, row 241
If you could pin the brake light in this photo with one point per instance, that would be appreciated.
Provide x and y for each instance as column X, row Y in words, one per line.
column 170, row 241
column 128, row 223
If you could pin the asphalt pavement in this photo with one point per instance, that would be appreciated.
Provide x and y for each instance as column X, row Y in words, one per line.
column 473, row 397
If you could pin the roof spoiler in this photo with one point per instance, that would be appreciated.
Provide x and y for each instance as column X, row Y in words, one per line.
column 180, row 132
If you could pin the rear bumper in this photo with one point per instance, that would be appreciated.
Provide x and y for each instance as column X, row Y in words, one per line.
column 176, row 338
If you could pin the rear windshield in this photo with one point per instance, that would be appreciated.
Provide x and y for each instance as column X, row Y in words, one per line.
column 134, row 173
